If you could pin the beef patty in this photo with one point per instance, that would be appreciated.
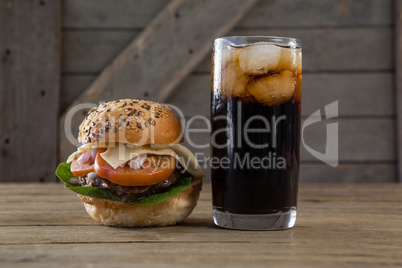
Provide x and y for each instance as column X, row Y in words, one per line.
column 130, row 193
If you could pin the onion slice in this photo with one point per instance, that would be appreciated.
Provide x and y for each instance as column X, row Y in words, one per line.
column 84, row 157
column 137, row 162
column 94, row 151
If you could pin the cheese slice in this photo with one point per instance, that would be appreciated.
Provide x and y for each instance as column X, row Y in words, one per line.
column 118, row 154
column 95, row 145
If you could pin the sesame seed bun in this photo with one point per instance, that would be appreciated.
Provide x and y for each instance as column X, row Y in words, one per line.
column 131, row 121
column 121, row 214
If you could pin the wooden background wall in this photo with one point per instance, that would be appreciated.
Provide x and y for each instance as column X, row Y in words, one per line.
column 348, row 55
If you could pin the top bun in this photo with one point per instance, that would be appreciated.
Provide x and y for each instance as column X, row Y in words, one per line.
column 131, row 121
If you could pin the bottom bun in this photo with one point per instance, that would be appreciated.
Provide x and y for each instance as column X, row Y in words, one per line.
column 169, row 212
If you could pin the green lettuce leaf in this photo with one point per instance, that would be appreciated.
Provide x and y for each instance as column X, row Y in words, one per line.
column 181, row 185
column 64, row 173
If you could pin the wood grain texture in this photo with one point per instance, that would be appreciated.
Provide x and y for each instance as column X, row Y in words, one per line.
column 359, row 139
column 359, row 94
column 334, row 49
column 29, row 89
column 311, row 13
column 353, row 172
column 398, row 81
column 162, row 55
column 109, row 13
column 91, row 51
column 329, row 49
column 352, row 225
column 72, row 85
column 130, row 14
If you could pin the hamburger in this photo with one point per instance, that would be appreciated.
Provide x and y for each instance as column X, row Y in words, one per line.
column 131, row 170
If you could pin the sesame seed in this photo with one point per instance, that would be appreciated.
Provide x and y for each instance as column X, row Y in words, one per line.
column 146, row 106
column 139, row 125
column 128, row 123
column 108, row 110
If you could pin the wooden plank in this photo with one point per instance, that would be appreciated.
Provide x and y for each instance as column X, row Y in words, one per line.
column 283, row 253
column 268, row 13
column 311, row 13
column 398, row 81
column 91, row 51
column 163, row 54
column 20, row 216
column 359, row 139
column 313, row 203
column 334, row 49
column 107, row 14
column 348, row 172
column 330, row 49
column 71, row 87
column 326, row 212
column 29, row 89
column 359, row 94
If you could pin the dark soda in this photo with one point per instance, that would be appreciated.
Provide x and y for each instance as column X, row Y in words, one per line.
column 255, row 117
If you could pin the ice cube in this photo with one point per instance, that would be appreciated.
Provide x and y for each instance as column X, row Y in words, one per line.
column 231, row 55
column 273, row 89
column 290, row 60
column 234, row 81
column 259, row 59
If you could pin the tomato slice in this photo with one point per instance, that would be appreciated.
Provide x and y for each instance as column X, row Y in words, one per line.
column 81, row 169
column 150, row 173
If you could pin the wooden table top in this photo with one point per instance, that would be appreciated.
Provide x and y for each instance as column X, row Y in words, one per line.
column 337, row 225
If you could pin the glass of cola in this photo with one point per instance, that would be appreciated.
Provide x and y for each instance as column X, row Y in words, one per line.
column 255, row 138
